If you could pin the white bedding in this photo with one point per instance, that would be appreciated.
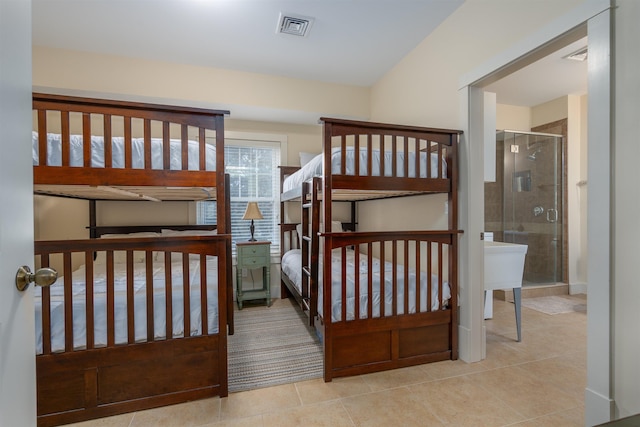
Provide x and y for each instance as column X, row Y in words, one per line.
column 292, row 267
column 314, row 166
column 54, row 153
column 100, row 331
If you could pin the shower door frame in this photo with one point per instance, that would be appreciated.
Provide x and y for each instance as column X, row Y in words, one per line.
column 535, row 273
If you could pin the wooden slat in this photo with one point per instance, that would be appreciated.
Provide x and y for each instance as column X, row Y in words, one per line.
column 186, row 295
column 131, row 309
column 204, row 313
column 89, row 300
column 46, row 311
column 202, row 151
column 86, row 140
column 149, row 290
column 65, row 141
column 108, row 142
column 185, row 147
column 168, row 296
column 128, row 154
column 166, row 146
column 147, row 144
column 68, row 303
column 43, row 152
column 111, row 330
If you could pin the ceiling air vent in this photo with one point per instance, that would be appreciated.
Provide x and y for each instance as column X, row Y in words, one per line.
column 294, row 25
column 578, row 55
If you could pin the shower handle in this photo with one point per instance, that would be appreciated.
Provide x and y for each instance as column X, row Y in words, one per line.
column 552, row 215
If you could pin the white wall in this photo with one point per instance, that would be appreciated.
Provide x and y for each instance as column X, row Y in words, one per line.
column 626, row 205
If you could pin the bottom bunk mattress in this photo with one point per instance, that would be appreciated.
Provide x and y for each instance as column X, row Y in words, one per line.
column 292, row 266
column 140, row 302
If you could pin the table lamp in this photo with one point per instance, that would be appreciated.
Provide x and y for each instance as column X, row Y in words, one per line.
column 252, row 212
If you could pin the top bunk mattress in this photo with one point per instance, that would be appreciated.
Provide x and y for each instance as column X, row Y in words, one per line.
column 76, row 152
column 315, row 166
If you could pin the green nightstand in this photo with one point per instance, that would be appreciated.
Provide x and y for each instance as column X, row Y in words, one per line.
column 253, row 255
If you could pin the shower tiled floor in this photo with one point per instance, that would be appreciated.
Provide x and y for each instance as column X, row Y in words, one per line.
column 537, row 382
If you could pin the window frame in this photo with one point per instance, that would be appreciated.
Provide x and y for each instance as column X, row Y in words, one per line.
column 251, row 139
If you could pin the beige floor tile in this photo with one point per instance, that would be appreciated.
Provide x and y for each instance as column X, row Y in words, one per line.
column 394, row 407
column 396, row 378
column 329, row 414
column 569, row 418
column 538, row 382
column 260, row 401
column 529, row 395
column 255, row 421
column 315, row 391
column 452, row 368
column 187, row 414
column 123, row 420
column 459, row 401
column 560, row 371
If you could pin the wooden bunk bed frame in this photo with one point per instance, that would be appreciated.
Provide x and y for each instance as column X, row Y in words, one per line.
column 92, row 381
column 366, row 341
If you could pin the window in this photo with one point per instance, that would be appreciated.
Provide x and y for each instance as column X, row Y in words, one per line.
column 252, row 164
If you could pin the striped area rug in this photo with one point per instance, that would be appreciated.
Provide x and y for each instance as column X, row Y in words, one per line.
column 272, row 346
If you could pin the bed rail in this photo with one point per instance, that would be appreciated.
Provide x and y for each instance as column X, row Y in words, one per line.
column 388, row 159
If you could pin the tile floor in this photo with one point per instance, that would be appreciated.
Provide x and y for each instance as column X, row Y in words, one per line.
column 537, row 382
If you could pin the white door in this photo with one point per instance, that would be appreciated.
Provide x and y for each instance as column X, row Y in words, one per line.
column 17, row 334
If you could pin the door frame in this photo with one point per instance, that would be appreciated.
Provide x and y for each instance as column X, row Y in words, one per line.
column 593, row 19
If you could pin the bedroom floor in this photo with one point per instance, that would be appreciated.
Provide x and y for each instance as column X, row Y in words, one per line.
column 537, row 382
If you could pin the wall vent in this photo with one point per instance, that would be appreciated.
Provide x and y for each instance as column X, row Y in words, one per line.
column 294, row 25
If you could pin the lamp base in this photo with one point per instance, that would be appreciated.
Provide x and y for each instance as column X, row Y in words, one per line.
column 252, row 228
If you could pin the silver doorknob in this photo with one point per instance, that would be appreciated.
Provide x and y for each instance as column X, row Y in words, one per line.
column 42, row 277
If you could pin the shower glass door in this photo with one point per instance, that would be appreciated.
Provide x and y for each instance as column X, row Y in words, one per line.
column 533, row 202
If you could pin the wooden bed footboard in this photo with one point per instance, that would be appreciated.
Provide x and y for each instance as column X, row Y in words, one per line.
column 101, row 369
column 411, row 318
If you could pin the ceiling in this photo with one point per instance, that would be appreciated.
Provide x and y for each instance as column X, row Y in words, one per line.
column 546, row 79
column 353, row 42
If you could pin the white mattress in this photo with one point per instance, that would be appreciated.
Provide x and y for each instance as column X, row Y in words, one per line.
column 314, row 166
column 54, row 153
column 292, row 267
column 100, row 331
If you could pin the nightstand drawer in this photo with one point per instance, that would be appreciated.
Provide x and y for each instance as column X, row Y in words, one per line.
column 253, row 251
column 249, row 261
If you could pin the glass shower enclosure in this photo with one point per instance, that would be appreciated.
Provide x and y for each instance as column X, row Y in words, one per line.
column 526, row 203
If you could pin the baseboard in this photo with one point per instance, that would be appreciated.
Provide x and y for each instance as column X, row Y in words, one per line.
column 577, row 288
column 466, row 350
column 533, row 291
column 599, row 409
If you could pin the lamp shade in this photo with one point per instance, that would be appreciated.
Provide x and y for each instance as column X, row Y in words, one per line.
column 253, row 211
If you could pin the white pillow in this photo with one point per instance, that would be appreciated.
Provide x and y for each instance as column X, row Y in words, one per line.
column 121, row 256
column 177, row 256
column 306, row 158
column 299, row 232
column 167, row 233
column 336, row 227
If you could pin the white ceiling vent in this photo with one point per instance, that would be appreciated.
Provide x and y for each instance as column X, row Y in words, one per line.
column 579, row 55
column 294, row 25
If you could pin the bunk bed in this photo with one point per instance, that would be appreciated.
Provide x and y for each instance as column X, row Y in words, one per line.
column 378, row 300
column 138, row 316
